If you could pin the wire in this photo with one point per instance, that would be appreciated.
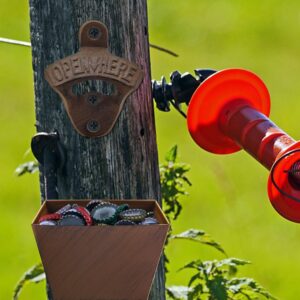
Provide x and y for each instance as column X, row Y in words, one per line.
column 163, row 50
column 15, row 42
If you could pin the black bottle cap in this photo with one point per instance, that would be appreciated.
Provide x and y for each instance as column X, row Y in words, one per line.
column 93, row 203
column 135, row 215
column 125, row 222
column 104, row 213
column 80, row 212
column 71, row 220
column 73, row 212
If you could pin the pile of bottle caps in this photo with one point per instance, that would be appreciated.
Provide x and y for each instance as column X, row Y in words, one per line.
column 98, row 212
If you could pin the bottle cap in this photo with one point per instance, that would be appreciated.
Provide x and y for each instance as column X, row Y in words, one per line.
column 47, row 217
column 72, row 212
column 64, row 209
column 105, row 213
column 71, row 220
column 125, row 222
column 135, row 215
column 92, row 204
column 48, row 223
column 85, row 214
column 149, row 221
column 122, row 207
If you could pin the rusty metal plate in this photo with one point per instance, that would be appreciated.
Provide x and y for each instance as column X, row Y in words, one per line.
column 93, row 114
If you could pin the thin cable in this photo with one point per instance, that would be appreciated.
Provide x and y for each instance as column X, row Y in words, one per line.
column 163, row 50
column 14, row 42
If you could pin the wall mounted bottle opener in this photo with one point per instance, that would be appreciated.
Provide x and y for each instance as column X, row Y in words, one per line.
column 93, row 114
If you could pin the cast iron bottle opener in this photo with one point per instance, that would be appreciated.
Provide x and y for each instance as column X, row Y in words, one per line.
column 93, row 114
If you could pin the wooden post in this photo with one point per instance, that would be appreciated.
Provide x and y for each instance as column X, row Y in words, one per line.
column 123, row 164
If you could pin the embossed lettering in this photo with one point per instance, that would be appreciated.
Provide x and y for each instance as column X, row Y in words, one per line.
column 106, row 66
column 102, row 66
column 76, row 66
column 122, row 69
column 112, row 65
column 130, row 74
column 67, row 69
column 57, row 73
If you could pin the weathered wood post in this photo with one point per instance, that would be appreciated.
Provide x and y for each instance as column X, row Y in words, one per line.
column 123, row 164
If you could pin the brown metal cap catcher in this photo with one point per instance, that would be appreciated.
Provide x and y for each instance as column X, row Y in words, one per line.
column 93, row 114
column 101, row 261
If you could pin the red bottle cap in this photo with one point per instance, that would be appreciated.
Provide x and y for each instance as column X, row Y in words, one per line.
column 47, row 217
column 85, row 214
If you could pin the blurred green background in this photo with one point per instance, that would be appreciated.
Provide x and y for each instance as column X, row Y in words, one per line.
column 228, row 198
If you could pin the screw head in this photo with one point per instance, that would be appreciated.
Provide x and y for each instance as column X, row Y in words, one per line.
column 92, row 126
column 94, row 33
column 92, row 99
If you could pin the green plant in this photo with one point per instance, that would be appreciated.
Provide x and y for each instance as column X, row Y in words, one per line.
column 35, row 274
column 213, row 279
column 173, row 179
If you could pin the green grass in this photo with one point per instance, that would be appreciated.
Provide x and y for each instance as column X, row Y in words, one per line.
column 228, row 198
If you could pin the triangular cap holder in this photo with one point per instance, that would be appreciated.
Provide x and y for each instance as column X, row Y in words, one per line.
column 93, row 114
column 101, row 262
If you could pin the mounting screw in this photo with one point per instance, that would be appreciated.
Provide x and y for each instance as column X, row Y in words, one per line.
column 92, row 99
column 94, row 33
column 93, row 126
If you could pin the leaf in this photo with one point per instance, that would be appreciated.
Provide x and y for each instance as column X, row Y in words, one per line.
column 28, row 167
column 173, row 180
column 196, row 292
column 217, row 288
column 199, row 236
column 193, row 278
column 172, row 154
column 192, row 265
column 249, row 287
column 232, row 262
column 35, row 274
column 178, row 292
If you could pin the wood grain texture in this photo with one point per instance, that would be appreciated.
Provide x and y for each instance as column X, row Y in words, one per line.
column 123, row 164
